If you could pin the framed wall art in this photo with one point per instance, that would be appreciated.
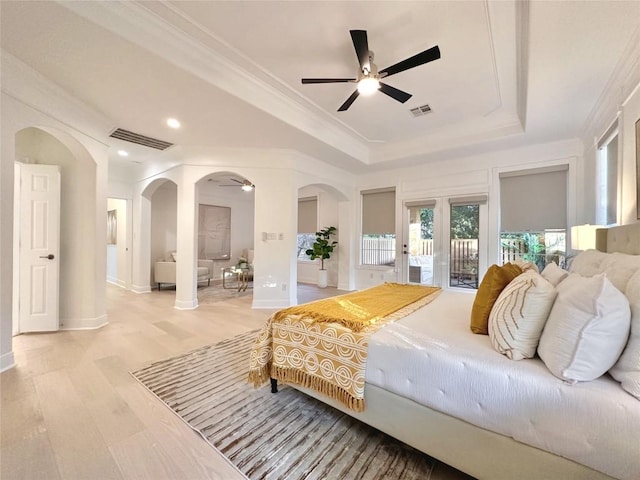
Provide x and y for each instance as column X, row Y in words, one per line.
column 214, row 232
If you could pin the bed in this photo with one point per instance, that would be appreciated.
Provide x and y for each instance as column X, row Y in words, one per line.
column 434, row 385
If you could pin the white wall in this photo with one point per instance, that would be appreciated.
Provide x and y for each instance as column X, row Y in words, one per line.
column 163, row 222
column 621, row 102
column 629, row 209
column 462, row 176
column 78, row 128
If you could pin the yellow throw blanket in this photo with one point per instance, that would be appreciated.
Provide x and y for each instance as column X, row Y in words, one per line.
column 311, row 345
column 359, row 310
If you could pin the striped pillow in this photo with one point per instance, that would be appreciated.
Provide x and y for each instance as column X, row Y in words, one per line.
column 519, row 314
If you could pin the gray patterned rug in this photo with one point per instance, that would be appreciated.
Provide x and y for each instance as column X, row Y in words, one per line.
column 287, row 435
column 215, row 293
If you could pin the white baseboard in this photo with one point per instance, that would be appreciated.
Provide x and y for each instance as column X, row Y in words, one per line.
column 7, row 361
column 140, row 288
column 186, row 304
column 83, row 323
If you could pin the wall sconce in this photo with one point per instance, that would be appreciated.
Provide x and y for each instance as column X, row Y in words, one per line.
column 583, row 237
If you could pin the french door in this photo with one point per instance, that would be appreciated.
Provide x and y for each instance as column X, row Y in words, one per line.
column 422, row 242
column 444, row 241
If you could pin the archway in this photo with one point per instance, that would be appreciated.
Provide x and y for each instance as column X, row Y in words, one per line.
column 161, row 195
column 79, row 258
column 222, row 194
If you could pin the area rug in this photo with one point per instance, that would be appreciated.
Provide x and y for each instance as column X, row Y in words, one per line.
column 287, row 435
column 215, row 293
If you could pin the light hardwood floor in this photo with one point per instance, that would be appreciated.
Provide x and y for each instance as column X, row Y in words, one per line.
column 70, row 409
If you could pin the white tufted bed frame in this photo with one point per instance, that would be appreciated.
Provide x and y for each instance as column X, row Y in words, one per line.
column 473, row 450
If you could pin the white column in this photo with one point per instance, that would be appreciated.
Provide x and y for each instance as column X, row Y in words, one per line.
column 186, row 263
column 275, row 266
column 141, row 250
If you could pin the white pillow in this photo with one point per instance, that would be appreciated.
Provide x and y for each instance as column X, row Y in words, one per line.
column 588, row 263
column 619, row 267
column 519, row 314
column 587, row 328
column 553, row 274
column 526, row 266
column 627, row 369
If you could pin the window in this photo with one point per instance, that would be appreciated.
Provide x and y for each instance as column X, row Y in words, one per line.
column 533, row 215
column 378, row 227
column 464, row 240
column 607, row 179
column 307, row 225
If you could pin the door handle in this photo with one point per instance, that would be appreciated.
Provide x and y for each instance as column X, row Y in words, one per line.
column 50, row 256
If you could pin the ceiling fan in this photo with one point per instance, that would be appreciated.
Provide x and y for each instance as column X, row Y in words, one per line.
column 368, row 79
column 246, row 185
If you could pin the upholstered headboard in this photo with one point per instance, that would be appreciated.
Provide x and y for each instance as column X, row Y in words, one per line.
column 622, row 239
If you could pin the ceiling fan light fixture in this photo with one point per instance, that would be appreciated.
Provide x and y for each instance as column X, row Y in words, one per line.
column 247, row 187
column 368, row 85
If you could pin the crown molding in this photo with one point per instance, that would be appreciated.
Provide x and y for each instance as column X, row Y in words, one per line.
column 148, row 30
column 623, row 81
column 29, row 87
column 473, row 133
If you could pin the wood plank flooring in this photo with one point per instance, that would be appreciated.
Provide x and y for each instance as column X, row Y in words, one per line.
column 70, row 409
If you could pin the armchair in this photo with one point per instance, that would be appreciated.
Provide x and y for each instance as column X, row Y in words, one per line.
column 165, row 272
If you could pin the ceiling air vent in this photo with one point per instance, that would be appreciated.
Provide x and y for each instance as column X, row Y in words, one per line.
column 128, row 136
column 421, row 110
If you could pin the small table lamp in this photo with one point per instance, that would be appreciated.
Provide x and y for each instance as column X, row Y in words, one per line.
column 583, row 237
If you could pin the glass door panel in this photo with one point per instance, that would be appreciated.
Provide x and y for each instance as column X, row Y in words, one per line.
column 420, row 248
column 465, row 229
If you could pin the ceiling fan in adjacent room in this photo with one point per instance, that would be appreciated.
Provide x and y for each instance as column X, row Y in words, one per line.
column 369, row 77
column 246, row 185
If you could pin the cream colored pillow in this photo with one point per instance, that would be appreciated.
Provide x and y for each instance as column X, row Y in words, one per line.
column 553, row 274
column 526, row 266
column 587, row 328
column 627, row 369
column 518, row 316
column 619, row 267
column 588, row 263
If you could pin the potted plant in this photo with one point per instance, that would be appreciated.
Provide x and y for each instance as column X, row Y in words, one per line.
column 322, row 249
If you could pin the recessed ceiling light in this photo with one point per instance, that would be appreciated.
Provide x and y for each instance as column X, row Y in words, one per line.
column 173, row 123
column 123, row 153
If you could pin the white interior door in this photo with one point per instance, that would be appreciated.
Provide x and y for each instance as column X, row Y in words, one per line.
column 39, row 247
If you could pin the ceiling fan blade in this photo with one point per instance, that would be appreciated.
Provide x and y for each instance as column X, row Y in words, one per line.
column 394, row 93
column 419, row 59
column 349, row 101
column 360, row 43
column 328, row 80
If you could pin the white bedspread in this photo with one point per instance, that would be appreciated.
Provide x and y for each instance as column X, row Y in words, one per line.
column 432, row 357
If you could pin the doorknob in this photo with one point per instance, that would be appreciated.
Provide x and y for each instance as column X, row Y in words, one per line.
column 50, row 256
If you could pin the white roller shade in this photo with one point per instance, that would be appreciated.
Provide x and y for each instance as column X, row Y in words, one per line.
column 470, row 200
column 533, row 200
column 307, row 215
column 422, row 204
column 378, row 211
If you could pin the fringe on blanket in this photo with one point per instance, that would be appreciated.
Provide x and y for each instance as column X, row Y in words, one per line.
column 317, row 384
column 259, row 376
